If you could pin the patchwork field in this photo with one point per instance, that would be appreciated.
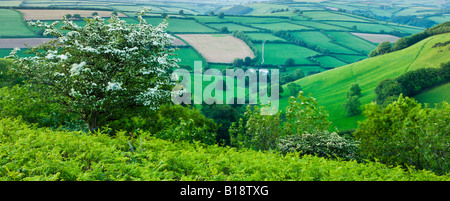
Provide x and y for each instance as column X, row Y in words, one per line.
column 327, row 15
column 232, row 27
column 275, row 53
column 319, row 39
column 319, row 25
column 281, row 26
column 264, row 37
column 218, row 48
column 352, row 41
column 12, row 25
column 187, row 56
column 377, row 38
column 327, row 61
column 181, row 25
column 20, row 42
column 239, row 19
column 42, row 14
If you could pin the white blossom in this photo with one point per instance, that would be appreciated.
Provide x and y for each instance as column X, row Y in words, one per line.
column 114, row 86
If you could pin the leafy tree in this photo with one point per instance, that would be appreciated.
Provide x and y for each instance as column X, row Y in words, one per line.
column 406, row 133
column 248, row 61
column 238, row 62
column 211, row 13
column 293, row 89
column 289, row 62
column 223, row 115
column 115, row 13
column 164, row 15
column 94, row 14
column 221, row 15
column 354, row 90
column 224, row 30
column 99, row 71
column 304, row 115
column 298, row 74
column 179, row 123
column 181, row 12
column 385, row 89
column 76, row 16
column 383, row 48
column 352, row 105
column 68, row 16
column 258, row 132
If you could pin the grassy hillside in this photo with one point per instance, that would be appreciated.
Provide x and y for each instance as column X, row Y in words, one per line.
column 33, row 154
column 329, row 87
column 435, row 95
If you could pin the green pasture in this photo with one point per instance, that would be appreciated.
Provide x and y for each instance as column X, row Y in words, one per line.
column 365, row 27
column 281, row 26
column 322, row 26
column 329, row 15
column 12, row 25
column 264, row 37
column 321, row 40
column 181, row 25
column 347, row 39
column 277, row 53
column 349, row 58
column 440, row 19
column 328, row 61
column 239, row 19
column 435, row 95
column 232, row 27
column 187, row 56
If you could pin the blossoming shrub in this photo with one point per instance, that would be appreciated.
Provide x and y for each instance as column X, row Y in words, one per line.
column 29, row 153
column 324, row 144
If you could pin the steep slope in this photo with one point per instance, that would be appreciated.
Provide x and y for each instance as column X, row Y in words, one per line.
column 329, row 87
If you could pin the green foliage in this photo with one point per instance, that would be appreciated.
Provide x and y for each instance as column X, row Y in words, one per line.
column 258, row 132
column 354, row 90
column 293, row 89
column 304, row 115
column 221, row 15
column 352, row 105
column 383, row 48
column 170, row 122
column 411, row 83
column 223, row 115
column 35, row 107
column 289, row 62
column 323, row 144
column 386, row 89
column 407, row 134
column 32, row 154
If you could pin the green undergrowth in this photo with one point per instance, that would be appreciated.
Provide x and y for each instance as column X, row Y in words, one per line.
column 30, row 153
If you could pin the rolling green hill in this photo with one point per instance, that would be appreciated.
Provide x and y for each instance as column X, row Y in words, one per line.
column 330, row 87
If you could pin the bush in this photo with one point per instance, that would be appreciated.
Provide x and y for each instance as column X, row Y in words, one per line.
column 323, row 144
column 35, row 107
column 407, row 134
column 32, row 154
column 170, row 122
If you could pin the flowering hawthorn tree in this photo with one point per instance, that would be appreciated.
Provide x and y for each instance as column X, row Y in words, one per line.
column 100, row 70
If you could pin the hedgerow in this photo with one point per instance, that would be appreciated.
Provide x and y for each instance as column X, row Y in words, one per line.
column 30, row 153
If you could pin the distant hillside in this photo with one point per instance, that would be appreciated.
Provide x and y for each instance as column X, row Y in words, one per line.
column 330, row 87
column 238, row 10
